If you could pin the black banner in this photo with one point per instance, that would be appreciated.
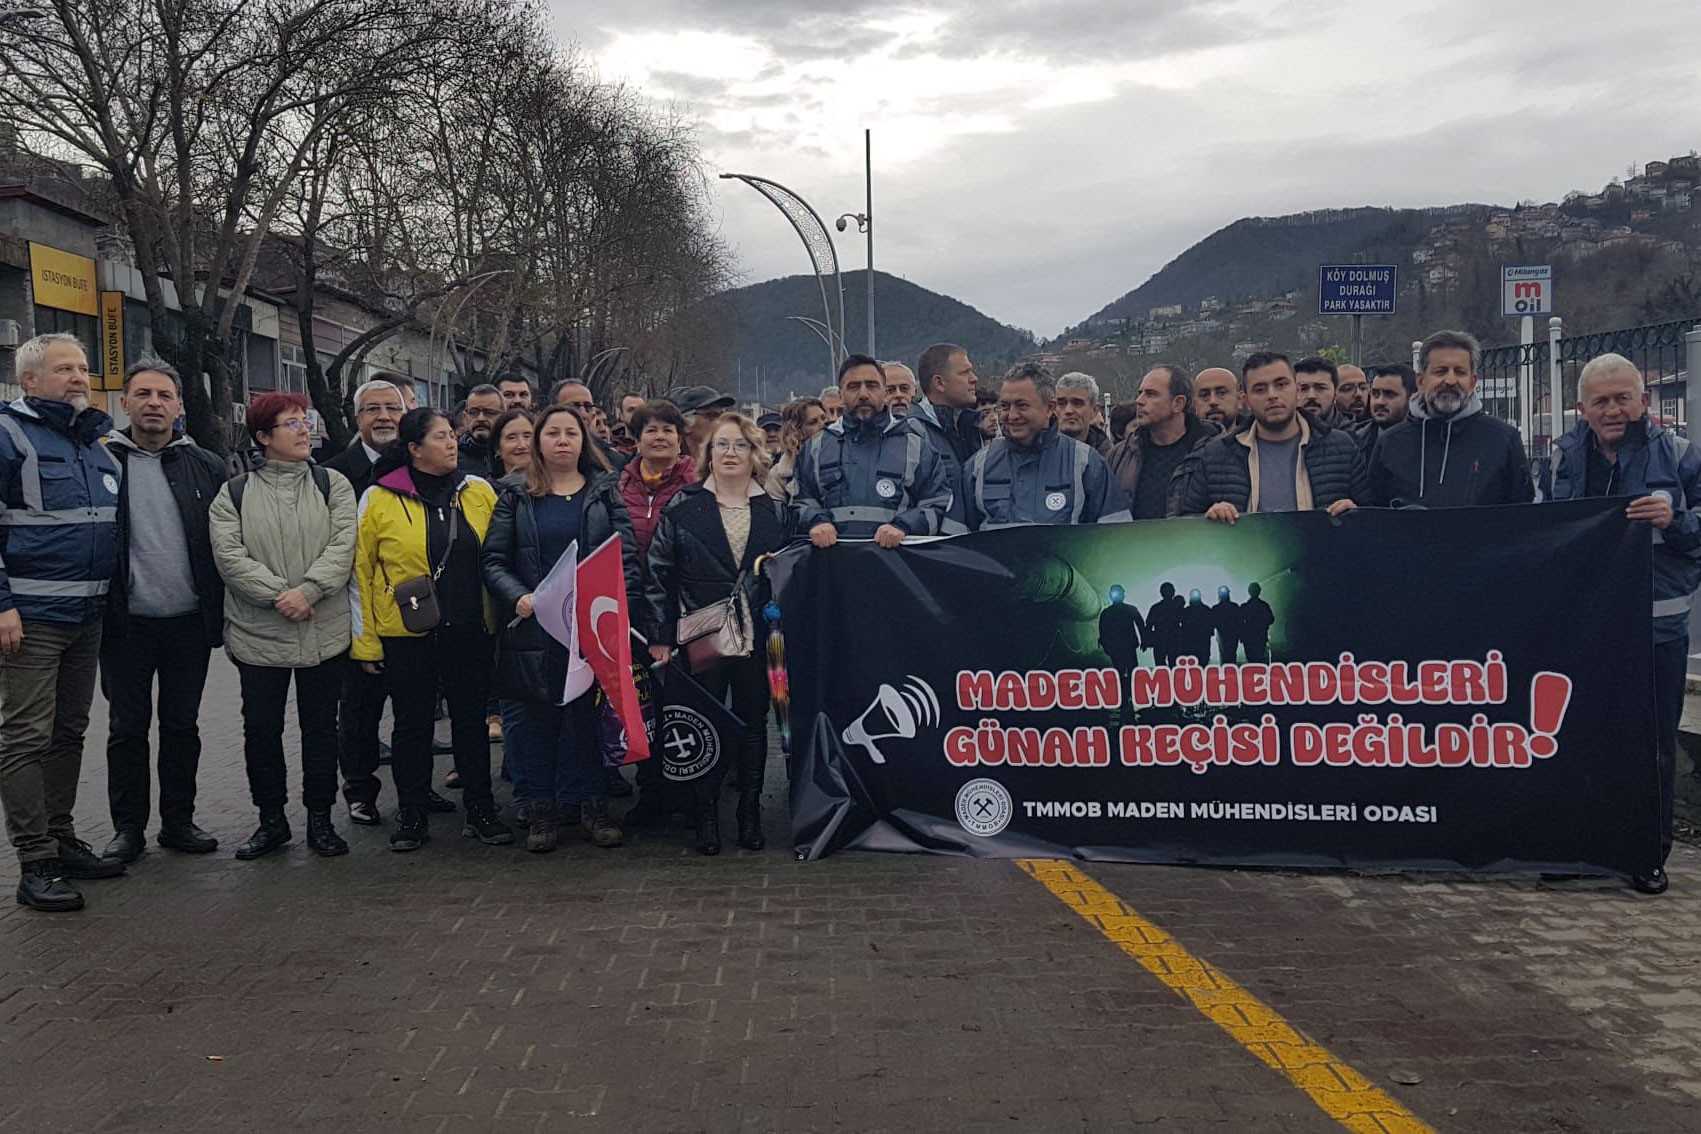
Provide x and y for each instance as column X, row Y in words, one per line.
column 1461, row 689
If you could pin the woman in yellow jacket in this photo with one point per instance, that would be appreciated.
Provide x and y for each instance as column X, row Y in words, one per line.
column 423, row 516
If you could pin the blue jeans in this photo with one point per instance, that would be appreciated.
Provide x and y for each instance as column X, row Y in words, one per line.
column 559, row 757
column 513, row 768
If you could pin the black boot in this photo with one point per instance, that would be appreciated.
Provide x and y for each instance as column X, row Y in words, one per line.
column 78, row 860
column 42, row 886
column 709, row 825
column 752, row 770
column 272, row 834
column 322, row 838
column 186, row 837
column 126, row 846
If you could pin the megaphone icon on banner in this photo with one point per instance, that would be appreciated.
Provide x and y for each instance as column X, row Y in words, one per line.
column 895, row 714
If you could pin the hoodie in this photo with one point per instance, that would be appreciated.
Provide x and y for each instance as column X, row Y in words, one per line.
column 1461, row 461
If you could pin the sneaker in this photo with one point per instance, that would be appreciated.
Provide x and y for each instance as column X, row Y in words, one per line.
column 78, row 860
column 411, row 830
column 363, row 813
column 42, row 886
column 597, row 825
column 493, row 725
column 482, row 824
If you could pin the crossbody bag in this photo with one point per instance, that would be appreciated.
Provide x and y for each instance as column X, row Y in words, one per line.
column 416, row 598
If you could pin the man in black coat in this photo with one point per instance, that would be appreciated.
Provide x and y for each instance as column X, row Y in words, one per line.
column 483, row 406
column 1121, row 630
column 164, row 615
column 1448, row 454
column 1197, row 625
column 1256, row 618
column 1285, row 461
column 378, row 409
column 1163, row 625
column 1226, row 614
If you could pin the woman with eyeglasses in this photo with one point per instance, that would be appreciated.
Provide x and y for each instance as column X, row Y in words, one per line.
column 422, row 528
column 567, row 496
column 283, row 539
column 704, row 552
column 800, row 419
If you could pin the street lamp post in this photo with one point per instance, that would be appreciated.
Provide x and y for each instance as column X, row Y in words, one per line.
column 822, row 332
column 865, row 224
column 806, row 222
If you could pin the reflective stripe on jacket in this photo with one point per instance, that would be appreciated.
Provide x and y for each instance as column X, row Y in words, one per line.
column 1656, row 461
column 58, row 511
column 1056, row 480
column 860, row 475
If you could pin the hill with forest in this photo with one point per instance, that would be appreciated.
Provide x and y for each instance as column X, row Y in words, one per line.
column 770, row 356
column 1270, row 256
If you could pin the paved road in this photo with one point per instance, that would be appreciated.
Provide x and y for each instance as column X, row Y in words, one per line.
column 468, row 988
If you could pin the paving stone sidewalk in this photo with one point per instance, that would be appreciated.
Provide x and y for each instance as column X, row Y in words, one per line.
column 469, row 988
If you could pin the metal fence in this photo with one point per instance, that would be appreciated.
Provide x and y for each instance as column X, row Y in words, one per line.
column 1659, row 350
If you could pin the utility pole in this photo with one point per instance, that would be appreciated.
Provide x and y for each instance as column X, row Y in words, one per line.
column 868, row 205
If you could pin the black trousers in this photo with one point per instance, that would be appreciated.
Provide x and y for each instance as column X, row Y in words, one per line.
column 265, row 692
column 177, row 651
column 1671, row 667
column 457, row 660
column 748, row 680
column 358, row 716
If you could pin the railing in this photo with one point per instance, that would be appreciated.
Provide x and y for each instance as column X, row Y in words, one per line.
column 1658, row 350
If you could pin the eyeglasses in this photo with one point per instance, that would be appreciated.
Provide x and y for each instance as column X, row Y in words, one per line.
column 295, row 425
column 388, row 407
column 742, row 448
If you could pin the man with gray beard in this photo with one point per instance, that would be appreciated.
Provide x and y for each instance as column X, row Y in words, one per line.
column 1447, row 453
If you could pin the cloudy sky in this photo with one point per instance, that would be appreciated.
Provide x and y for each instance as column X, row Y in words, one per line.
column 1039, row 159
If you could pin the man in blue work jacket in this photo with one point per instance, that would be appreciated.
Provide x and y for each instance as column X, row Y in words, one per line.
column 869, row 474
column 1034, row 474
column 1616, row 451
column 58, row 556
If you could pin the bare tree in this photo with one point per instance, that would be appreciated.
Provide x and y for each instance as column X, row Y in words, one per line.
column 202, row 114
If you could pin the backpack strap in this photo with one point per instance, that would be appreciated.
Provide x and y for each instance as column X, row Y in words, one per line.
column 321, row 481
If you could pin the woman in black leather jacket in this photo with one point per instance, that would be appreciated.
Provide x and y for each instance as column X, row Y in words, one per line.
column 708, row 539
column 567, row 494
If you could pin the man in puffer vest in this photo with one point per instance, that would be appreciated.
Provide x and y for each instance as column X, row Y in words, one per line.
column 1286, row 460
column 58, row 555
column 1616, row 451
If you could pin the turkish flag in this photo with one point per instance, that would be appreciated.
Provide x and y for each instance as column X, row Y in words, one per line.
column 605, row 639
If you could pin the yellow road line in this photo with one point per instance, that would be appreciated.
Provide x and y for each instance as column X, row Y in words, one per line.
column 1339, row 1091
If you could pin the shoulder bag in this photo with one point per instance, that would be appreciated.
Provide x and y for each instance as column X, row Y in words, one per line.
column 416, row 598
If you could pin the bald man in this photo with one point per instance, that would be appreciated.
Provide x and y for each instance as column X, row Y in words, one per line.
column 900, row 388
column 1352, row 395
column 1216, row 397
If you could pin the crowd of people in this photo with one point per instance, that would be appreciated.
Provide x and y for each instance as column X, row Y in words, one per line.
column 403, row 569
